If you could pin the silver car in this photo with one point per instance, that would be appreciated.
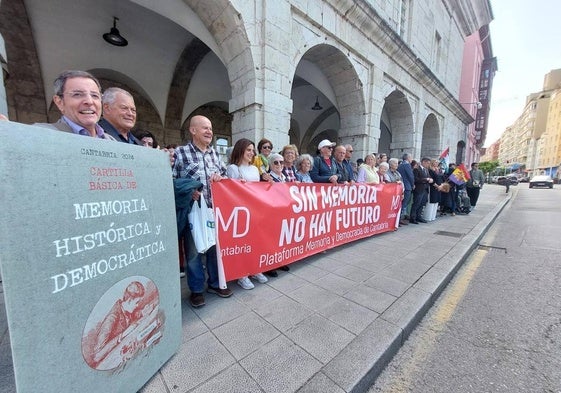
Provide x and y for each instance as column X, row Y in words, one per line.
column 541, row 181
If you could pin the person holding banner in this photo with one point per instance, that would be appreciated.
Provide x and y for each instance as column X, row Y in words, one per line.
column 303, row 165
column 276, row 165
column 324, row 169
column 261, row 161
column 367, row 172
column 289, row 154
column 241, row 167
column 199, row 161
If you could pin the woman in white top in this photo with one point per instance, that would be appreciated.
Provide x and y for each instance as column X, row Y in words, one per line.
column 241, row 167
column 367, row 172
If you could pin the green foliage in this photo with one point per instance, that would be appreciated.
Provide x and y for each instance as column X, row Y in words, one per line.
column 488, row 166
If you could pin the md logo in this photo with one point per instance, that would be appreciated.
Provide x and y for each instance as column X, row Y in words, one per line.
column 237, row 223
column 396, row 202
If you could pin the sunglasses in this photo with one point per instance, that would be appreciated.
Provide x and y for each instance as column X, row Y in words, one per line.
column 267, row 147
column 329, row 147
column 278, row 162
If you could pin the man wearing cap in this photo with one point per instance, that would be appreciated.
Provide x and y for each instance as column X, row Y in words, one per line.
column 324, row 169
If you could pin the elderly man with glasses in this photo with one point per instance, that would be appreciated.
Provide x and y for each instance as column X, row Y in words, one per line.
column 78, row 97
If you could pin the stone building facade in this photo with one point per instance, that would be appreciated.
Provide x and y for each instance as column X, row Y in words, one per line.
column 386, row 74
column 532, row 142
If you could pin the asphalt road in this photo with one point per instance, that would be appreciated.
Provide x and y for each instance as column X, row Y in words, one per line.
column 497, row 326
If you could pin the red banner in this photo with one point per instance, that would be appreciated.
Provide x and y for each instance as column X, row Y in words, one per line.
column 262, row 226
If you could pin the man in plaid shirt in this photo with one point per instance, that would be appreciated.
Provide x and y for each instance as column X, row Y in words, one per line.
column 199, row 161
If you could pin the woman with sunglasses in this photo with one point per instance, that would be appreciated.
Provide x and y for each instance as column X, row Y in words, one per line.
column 276, row 165
column 261, row 161
column 325, row 169
column 241, row 168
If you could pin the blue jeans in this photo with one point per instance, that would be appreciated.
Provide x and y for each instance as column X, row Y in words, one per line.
column 405, row 202
column 195, row 269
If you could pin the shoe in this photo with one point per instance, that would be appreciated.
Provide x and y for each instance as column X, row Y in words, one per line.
column 272, row 273
column 197, row 300
column 403, row 222
column 220, row 292
column 245, row 283
column 453, row 214
column 284, row 268
column 260, row 277
column 181, row 274
column 422, row 220
column 413, row 222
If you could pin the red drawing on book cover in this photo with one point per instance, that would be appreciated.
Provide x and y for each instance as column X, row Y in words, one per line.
column 125, row 322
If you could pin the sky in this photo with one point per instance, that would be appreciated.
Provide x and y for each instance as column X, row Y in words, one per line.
column 526, row 40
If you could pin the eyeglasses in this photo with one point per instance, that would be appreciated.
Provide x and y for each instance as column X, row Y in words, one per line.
column 278, row 162
column 350, row 151
column 329, row 147
column 267, row 147
column 80, row 95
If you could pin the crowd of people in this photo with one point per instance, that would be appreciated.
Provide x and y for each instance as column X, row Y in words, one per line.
column 427, row 189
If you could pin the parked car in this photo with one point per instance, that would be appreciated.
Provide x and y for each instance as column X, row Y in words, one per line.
column 512, row 179
column 541, row 181
column 524, row 179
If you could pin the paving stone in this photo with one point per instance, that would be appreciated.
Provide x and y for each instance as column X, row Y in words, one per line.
column 281, row 366
column 356, row 366
column 245, row 334
column 353, row 273
column 219, row 311
column 388, row 285
column 313, row 296
column 406, row 311
column 284, row 313
column 321, row 383
column 371, row 298
column 195, row 362
column 335, row 284
column 261, row 295
column 232, row 380
column 287, row 282
column 349, row 315
column 320, row 337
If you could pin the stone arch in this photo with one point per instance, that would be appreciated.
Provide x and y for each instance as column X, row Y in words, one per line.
column 29, row 104
column 188, row 62
column 227, row 27
column 397, row 118
column 308, row 144
column 338, row 89
column 431, row 137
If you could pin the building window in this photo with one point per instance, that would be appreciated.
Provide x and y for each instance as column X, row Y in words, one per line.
column 437, row 51
column 404, row 17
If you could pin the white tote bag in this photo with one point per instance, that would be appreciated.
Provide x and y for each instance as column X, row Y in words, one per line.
column 201, row 223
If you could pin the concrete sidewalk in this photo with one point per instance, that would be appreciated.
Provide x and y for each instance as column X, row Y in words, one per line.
column 329, row 325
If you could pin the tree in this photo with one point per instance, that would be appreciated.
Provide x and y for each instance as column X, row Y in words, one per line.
column 488, row 166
